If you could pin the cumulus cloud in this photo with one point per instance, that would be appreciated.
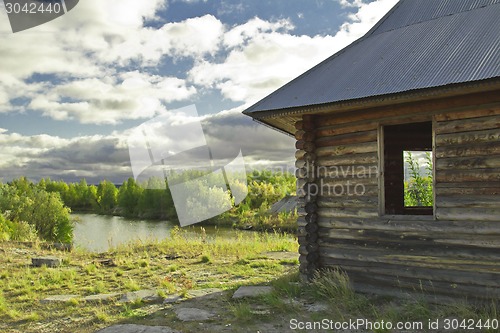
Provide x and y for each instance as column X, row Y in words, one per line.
column 88, row 52
column 263, row 55
column 100, row 157
column 129, row 95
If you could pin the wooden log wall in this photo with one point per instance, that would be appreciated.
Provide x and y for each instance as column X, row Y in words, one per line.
column 307, row 193
column 468, row 165
column 456, row 252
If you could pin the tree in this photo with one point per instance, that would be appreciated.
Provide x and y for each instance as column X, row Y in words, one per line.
column 107, row 195
column 128, row 197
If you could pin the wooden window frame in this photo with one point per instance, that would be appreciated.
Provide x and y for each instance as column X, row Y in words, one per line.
column 400, row 209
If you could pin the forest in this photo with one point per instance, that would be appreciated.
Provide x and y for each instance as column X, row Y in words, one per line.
column 42, row 210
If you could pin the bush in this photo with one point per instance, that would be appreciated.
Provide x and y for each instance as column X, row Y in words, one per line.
column 31, row 209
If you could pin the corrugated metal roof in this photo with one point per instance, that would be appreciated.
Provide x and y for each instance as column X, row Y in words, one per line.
column 417, row 11
column 419, row 44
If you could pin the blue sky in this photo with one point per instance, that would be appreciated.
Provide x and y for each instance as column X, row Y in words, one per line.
column 71, row 89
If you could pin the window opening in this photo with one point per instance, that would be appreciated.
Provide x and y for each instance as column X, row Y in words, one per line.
column 401, row 142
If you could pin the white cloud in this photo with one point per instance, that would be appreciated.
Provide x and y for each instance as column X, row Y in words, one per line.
column 107, row 156
column 85, row 52
column 129, row 95
column 263, row 55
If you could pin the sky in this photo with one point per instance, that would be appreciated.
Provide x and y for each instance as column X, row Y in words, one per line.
column 72, row 90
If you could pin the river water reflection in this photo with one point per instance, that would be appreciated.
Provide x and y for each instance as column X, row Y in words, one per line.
column 97, row 233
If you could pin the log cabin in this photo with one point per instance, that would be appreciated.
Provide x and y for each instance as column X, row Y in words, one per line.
column 425, row 78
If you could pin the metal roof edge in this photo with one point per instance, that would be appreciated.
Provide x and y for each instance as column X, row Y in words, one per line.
column 372, row 101
column 336, row 54
column 382, row 20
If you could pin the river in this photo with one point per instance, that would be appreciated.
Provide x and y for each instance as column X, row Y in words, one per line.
column 97, row 233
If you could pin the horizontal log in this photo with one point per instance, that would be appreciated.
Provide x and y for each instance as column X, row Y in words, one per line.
column 468, row 138
column 312, row 228
column 311, row 207
column 348, row 212
column 480, row 111
column 311, row 258
column 349, row 182
column 470, row 150
column 312, row 248
column 349, row 202
column 342, row 150
column 477, row 175
column 443, row 105
column 451, row 252
column 352, row 160
column 467, row 125
column 409, row 239
column 304, row 145
column 442, row 292
column 404, row 225
column 472, row 201
column 464, row 163
column 303, row 252
column 389, row 257
column 311, row 219
column 323, row 131
column 348, row 171
column 465, row 214
column 350, row 190
column 299, row 154
column 299, row 135
column 301, row 221
column 305, row 124
column 312, row 238
column 459, row 189
column 486, row 278
column 352, row 138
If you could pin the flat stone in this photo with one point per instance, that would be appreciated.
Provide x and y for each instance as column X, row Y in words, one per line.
column 205, row 293
column 59, row 298
column 47, row 261
column 101, row 297
column 173, row 299
column 147, row 296
column 252, row 291
column 193, row 314
column 132, row 328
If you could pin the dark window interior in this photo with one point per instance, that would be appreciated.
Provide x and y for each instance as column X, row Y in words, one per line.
column 397, row 139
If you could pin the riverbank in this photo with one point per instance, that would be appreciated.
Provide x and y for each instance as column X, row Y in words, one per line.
column 184, row 271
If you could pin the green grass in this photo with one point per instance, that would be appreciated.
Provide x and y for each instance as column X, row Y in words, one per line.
column 212, row 262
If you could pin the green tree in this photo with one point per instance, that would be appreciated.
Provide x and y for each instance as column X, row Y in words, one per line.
column 128, row 197
column 107, row 196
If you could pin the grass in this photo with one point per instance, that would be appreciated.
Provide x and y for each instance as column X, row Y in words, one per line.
column 204, row 262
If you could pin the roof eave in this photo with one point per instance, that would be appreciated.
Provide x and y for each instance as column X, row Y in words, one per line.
column 266, row 117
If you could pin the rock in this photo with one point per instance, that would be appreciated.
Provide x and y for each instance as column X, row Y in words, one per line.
column 147, row 296
column 132, row 328
column 47, row 261
column 252, row 291
column 193, row 314
column 59, row 298
column 173, row 299
column 101, row 297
